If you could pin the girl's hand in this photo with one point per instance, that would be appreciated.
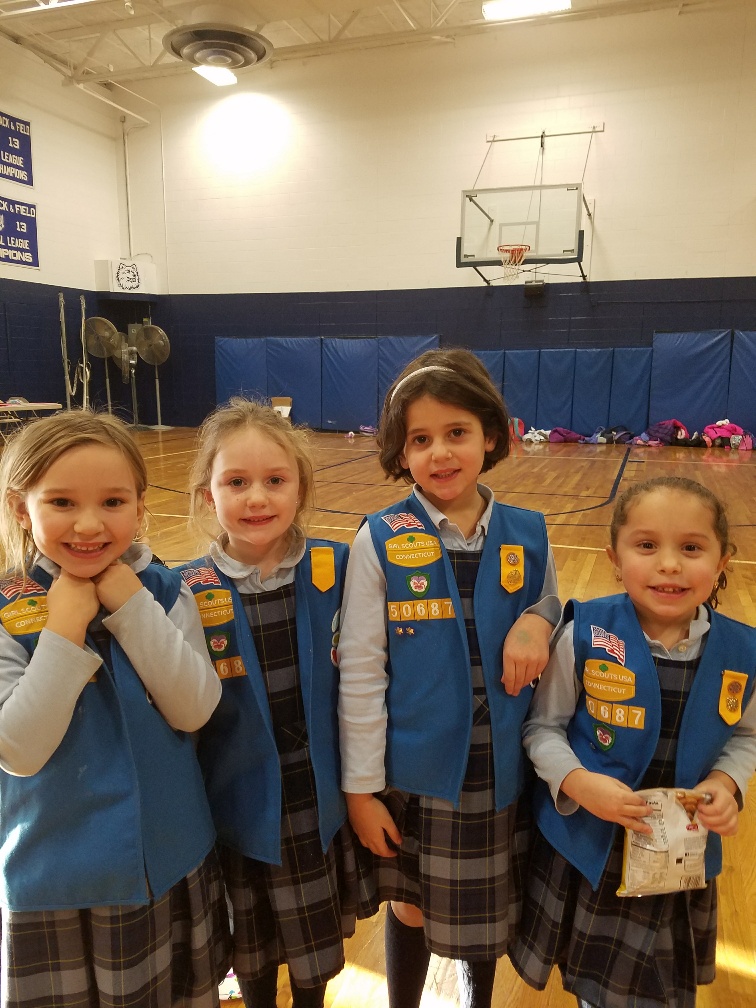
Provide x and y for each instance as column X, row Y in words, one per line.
column 372, row 823
column 608, row 799
column 721, row 814
column 115, row 585
column 526, row 651
column 72, row 604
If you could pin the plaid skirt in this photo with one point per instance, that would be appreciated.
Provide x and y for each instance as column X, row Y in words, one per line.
column 172, row 952
column 614, row 951
column 463, row 867
column 298, row 912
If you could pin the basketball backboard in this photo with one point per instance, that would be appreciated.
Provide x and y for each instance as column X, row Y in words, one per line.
column 545, row 217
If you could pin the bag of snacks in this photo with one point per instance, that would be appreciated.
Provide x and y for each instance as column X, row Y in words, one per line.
column 671, row 858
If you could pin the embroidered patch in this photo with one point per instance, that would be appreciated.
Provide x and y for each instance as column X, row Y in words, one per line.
column 215, row 607
column 605, row 736
column 512, row 564
column 601, row 638
column 230, row 668
column 200, row 575
column 218, row 643
column 606, row 680
column 418, row 584
column 413, row 550
column 25, row 615
column 619, row 715
column 18, row 585
column 402, row 520
column 730, row 696
column 422, row 609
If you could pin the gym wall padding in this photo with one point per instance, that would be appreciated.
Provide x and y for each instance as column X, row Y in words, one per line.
column 493, row 361
column 741, row 401
column 556, row 377
column 690, row 377
column 294, row 370
column 350, row 383
column 394, row 354
column 591, row 390
column 521, row 384
column 240, row 369
column 631, row 381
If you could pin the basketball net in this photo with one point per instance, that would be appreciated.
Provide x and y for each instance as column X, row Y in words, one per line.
column 512, row 257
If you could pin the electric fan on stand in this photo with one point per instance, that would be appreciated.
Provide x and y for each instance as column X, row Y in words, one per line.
column 103, row 340
column 153, row 347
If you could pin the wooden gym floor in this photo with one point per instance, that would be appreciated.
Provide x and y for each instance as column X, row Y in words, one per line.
column 574, row 485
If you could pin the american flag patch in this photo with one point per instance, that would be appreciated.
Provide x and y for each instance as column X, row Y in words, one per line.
column 602, row 639
column 403, row 520
column 18, row 585
column 200, row 575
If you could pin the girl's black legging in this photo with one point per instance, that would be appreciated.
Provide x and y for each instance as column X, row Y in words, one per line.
column 261, row 992
column 407, row 965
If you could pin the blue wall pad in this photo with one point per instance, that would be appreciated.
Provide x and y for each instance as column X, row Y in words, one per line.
column 350, row 383
column 394, row 354
column 690, row 377
column 556, row 376
column 294, row 370
column 494, row 364
column 631, row 381
column 741, row 402
column 521, row 384
column 591, row 390
column 240, row 369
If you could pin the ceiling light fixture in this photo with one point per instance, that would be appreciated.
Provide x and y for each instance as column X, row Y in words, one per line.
column 507, row 10
column 221, row 76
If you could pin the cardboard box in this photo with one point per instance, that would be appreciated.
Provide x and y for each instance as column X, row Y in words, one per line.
column 281, row 404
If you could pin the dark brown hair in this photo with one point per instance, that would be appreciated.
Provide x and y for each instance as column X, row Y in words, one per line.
column 456, row 377
column 719, row 522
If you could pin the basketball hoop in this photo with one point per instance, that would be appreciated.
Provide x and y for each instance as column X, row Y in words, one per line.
column 512, row 257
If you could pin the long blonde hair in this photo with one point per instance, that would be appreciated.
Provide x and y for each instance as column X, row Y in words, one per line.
column 34, row 448
column 239, row 415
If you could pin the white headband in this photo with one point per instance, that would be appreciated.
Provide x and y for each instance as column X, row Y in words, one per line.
column 428, row 367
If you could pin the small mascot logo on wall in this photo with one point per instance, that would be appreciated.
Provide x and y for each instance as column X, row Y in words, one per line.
column 127, row 276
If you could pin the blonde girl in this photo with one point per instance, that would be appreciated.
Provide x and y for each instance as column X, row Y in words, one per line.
column 430, row 730
column 269, row 598
column 688, row 720
column 110, row 889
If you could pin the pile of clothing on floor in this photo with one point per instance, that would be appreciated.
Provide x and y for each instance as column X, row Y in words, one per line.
column 721, row 434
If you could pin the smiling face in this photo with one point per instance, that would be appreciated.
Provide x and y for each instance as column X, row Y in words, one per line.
column 668, row 556
column 254, row 490
column 84, row 511
column 444, row 450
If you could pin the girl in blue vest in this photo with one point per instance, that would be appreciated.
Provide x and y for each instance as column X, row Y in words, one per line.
column 269, row 599
column 110, row 888
column 649, row 688
column 430, row 729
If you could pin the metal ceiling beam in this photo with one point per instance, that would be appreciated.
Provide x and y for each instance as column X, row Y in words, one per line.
column 341, row 42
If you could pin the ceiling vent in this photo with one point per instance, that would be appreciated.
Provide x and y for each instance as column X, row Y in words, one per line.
column 217, row 38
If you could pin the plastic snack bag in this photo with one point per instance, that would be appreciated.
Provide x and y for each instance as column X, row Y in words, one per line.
column 670, row 859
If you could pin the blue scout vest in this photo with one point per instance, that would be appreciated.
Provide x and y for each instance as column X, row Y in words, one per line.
column 118, row 814
column 237, row 748
column 618, row 718
column 429, row 694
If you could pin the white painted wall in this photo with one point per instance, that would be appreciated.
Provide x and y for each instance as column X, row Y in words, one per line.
column 345, row 172
column 76, row 156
